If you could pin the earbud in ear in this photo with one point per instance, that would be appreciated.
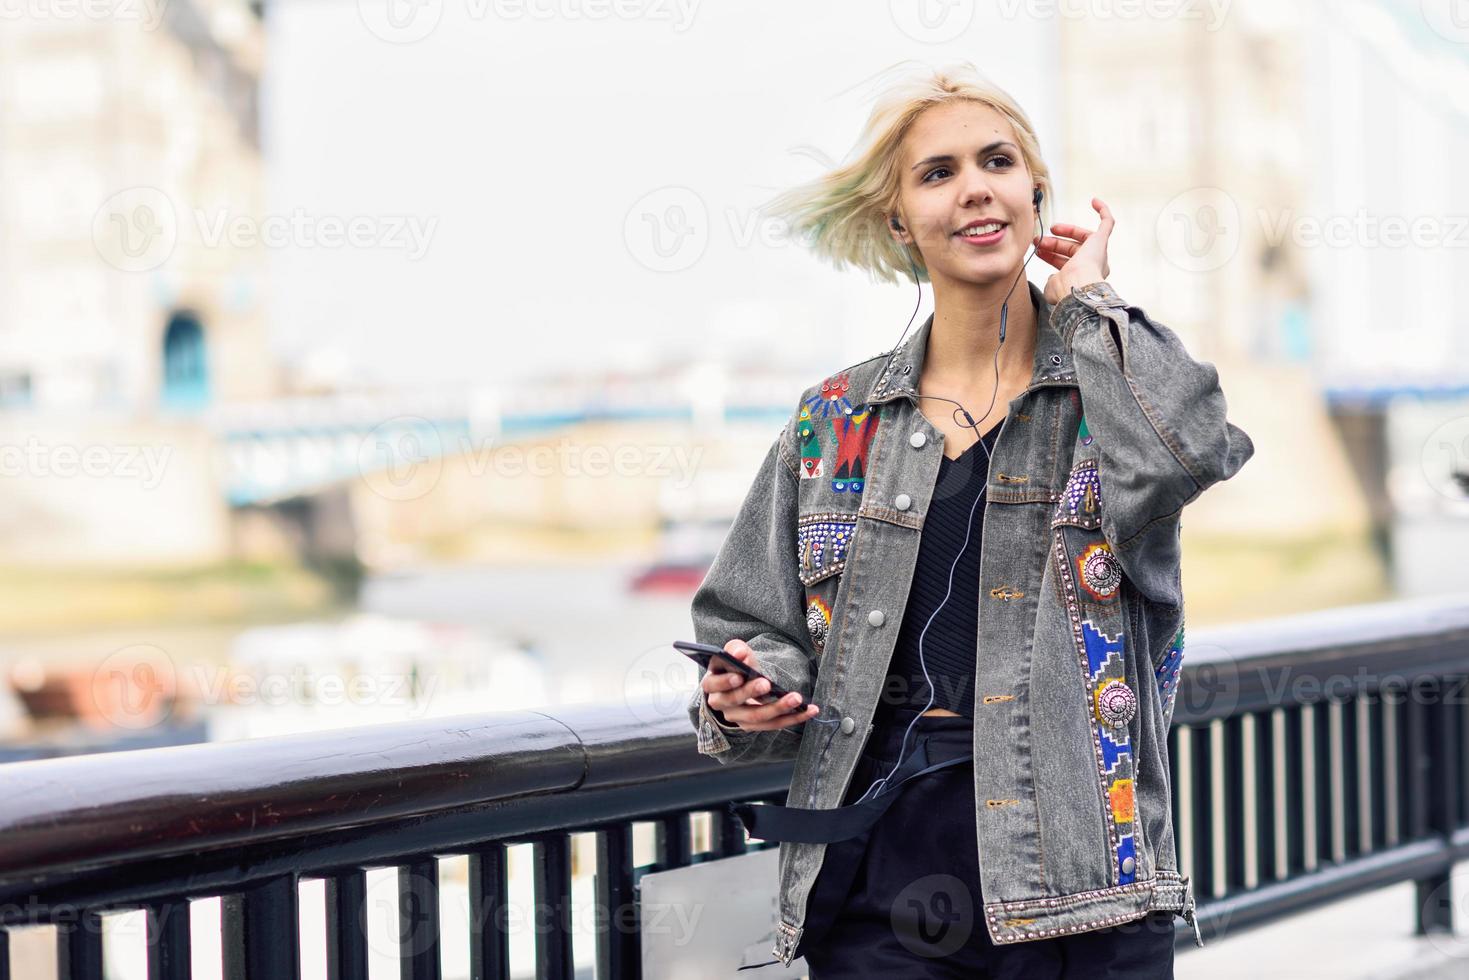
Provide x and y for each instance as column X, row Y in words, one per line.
column 895, row 224
column 1037, row 197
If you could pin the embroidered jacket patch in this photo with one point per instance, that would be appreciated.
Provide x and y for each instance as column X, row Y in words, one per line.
column 854, row 437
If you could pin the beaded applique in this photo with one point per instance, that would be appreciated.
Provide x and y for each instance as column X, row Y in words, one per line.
column 821, row 545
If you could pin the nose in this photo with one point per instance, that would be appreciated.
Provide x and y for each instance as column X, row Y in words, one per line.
column 977, row 189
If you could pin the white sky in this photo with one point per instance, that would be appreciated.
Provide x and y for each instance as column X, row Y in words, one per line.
column 530, row 141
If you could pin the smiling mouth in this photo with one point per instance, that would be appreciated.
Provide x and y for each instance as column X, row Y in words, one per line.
column 986, row 234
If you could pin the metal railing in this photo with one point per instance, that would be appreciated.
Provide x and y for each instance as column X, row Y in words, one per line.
column 1313, row 757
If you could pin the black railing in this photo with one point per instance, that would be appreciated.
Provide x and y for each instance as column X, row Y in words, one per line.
column 1313, row 757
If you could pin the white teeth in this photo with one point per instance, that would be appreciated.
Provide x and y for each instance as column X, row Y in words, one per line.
column 981, row 230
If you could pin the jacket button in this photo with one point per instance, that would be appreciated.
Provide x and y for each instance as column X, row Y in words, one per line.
column 1129, row 863
column 876, row 618
column 917, row 439
column 848, row 726
column 902, row 501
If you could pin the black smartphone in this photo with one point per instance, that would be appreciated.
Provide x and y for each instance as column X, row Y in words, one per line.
column 702, row 653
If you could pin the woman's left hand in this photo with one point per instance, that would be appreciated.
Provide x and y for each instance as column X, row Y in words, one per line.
column 1079, row 254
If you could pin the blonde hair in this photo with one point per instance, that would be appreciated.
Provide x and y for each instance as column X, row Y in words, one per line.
column 843, row 215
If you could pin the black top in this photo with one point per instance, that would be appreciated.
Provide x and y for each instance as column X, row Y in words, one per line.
column 950, row 644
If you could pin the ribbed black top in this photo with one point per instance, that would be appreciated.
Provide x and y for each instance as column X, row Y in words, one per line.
column 949, row 645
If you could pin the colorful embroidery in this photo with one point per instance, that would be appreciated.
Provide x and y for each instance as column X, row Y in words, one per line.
column 832, row 398
column 1101, row 573
column 818, row 621
column 1168, row 671
column 1081, row 501
column 810, row 445
column 854, row 436
column 1105, row 667
column 821, row 546
column 1122, row 799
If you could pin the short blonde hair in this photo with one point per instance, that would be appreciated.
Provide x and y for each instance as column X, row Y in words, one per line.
column 843, row 214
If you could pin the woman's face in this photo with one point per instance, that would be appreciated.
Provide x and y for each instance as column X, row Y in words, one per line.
column 962, row 164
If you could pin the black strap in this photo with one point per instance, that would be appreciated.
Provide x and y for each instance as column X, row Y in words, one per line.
column 769, row 821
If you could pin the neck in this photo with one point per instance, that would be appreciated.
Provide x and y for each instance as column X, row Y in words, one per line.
column 966, row 332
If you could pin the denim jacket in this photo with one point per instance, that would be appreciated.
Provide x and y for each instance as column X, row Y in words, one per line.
column 1080, row 606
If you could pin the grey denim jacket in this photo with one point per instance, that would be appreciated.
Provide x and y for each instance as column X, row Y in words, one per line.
column 1080, row 606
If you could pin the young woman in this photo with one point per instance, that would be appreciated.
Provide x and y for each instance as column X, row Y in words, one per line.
column 964, row 554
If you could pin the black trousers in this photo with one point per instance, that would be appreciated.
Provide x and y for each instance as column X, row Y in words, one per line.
column 903, row 898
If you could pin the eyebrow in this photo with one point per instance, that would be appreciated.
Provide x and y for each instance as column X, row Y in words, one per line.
column 949, row 158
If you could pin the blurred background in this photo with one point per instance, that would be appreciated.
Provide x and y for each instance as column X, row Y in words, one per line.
column 370, row 360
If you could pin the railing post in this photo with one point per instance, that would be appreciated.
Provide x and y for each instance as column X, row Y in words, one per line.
column 619, row 945
column 346, row 925
column 169, row 940
column 418, row 919
column 261, row 931
column 1433, row 747
column 79, row 947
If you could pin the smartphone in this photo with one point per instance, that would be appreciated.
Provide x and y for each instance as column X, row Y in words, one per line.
column 702, row 653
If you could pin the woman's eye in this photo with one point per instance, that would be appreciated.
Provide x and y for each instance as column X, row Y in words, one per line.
column 1005, row 161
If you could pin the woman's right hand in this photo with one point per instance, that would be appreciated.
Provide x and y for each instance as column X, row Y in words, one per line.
column 728, row 693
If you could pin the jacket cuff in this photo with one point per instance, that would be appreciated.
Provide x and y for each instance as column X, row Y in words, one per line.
column 1079, row 303
column 715, row 737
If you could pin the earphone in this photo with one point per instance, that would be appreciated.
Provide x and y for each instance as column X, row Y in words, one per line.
column 880, row 784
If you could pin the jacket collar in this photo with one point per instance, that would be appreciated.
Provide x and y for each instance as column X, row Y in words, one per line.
column 1052, row 360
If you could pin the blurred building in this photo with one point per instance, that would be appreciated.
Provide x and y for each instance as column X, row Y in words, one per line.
column 1283, row 175
column 130, row 144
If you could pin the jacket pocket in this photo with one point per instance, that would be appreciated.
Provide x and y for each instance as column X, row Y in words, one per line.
column 823, row 542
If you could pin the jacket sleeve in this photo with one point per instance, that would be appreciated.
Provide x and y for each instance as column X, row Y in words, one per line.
column 752, row 592
column 1158, row 417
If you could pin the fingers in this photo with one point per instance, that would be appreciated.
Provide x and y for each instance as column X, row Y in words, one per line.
column 778, row 714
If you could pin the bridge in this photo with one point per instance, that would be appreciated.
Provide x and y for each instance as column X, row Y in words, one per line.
column 1313, row 758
